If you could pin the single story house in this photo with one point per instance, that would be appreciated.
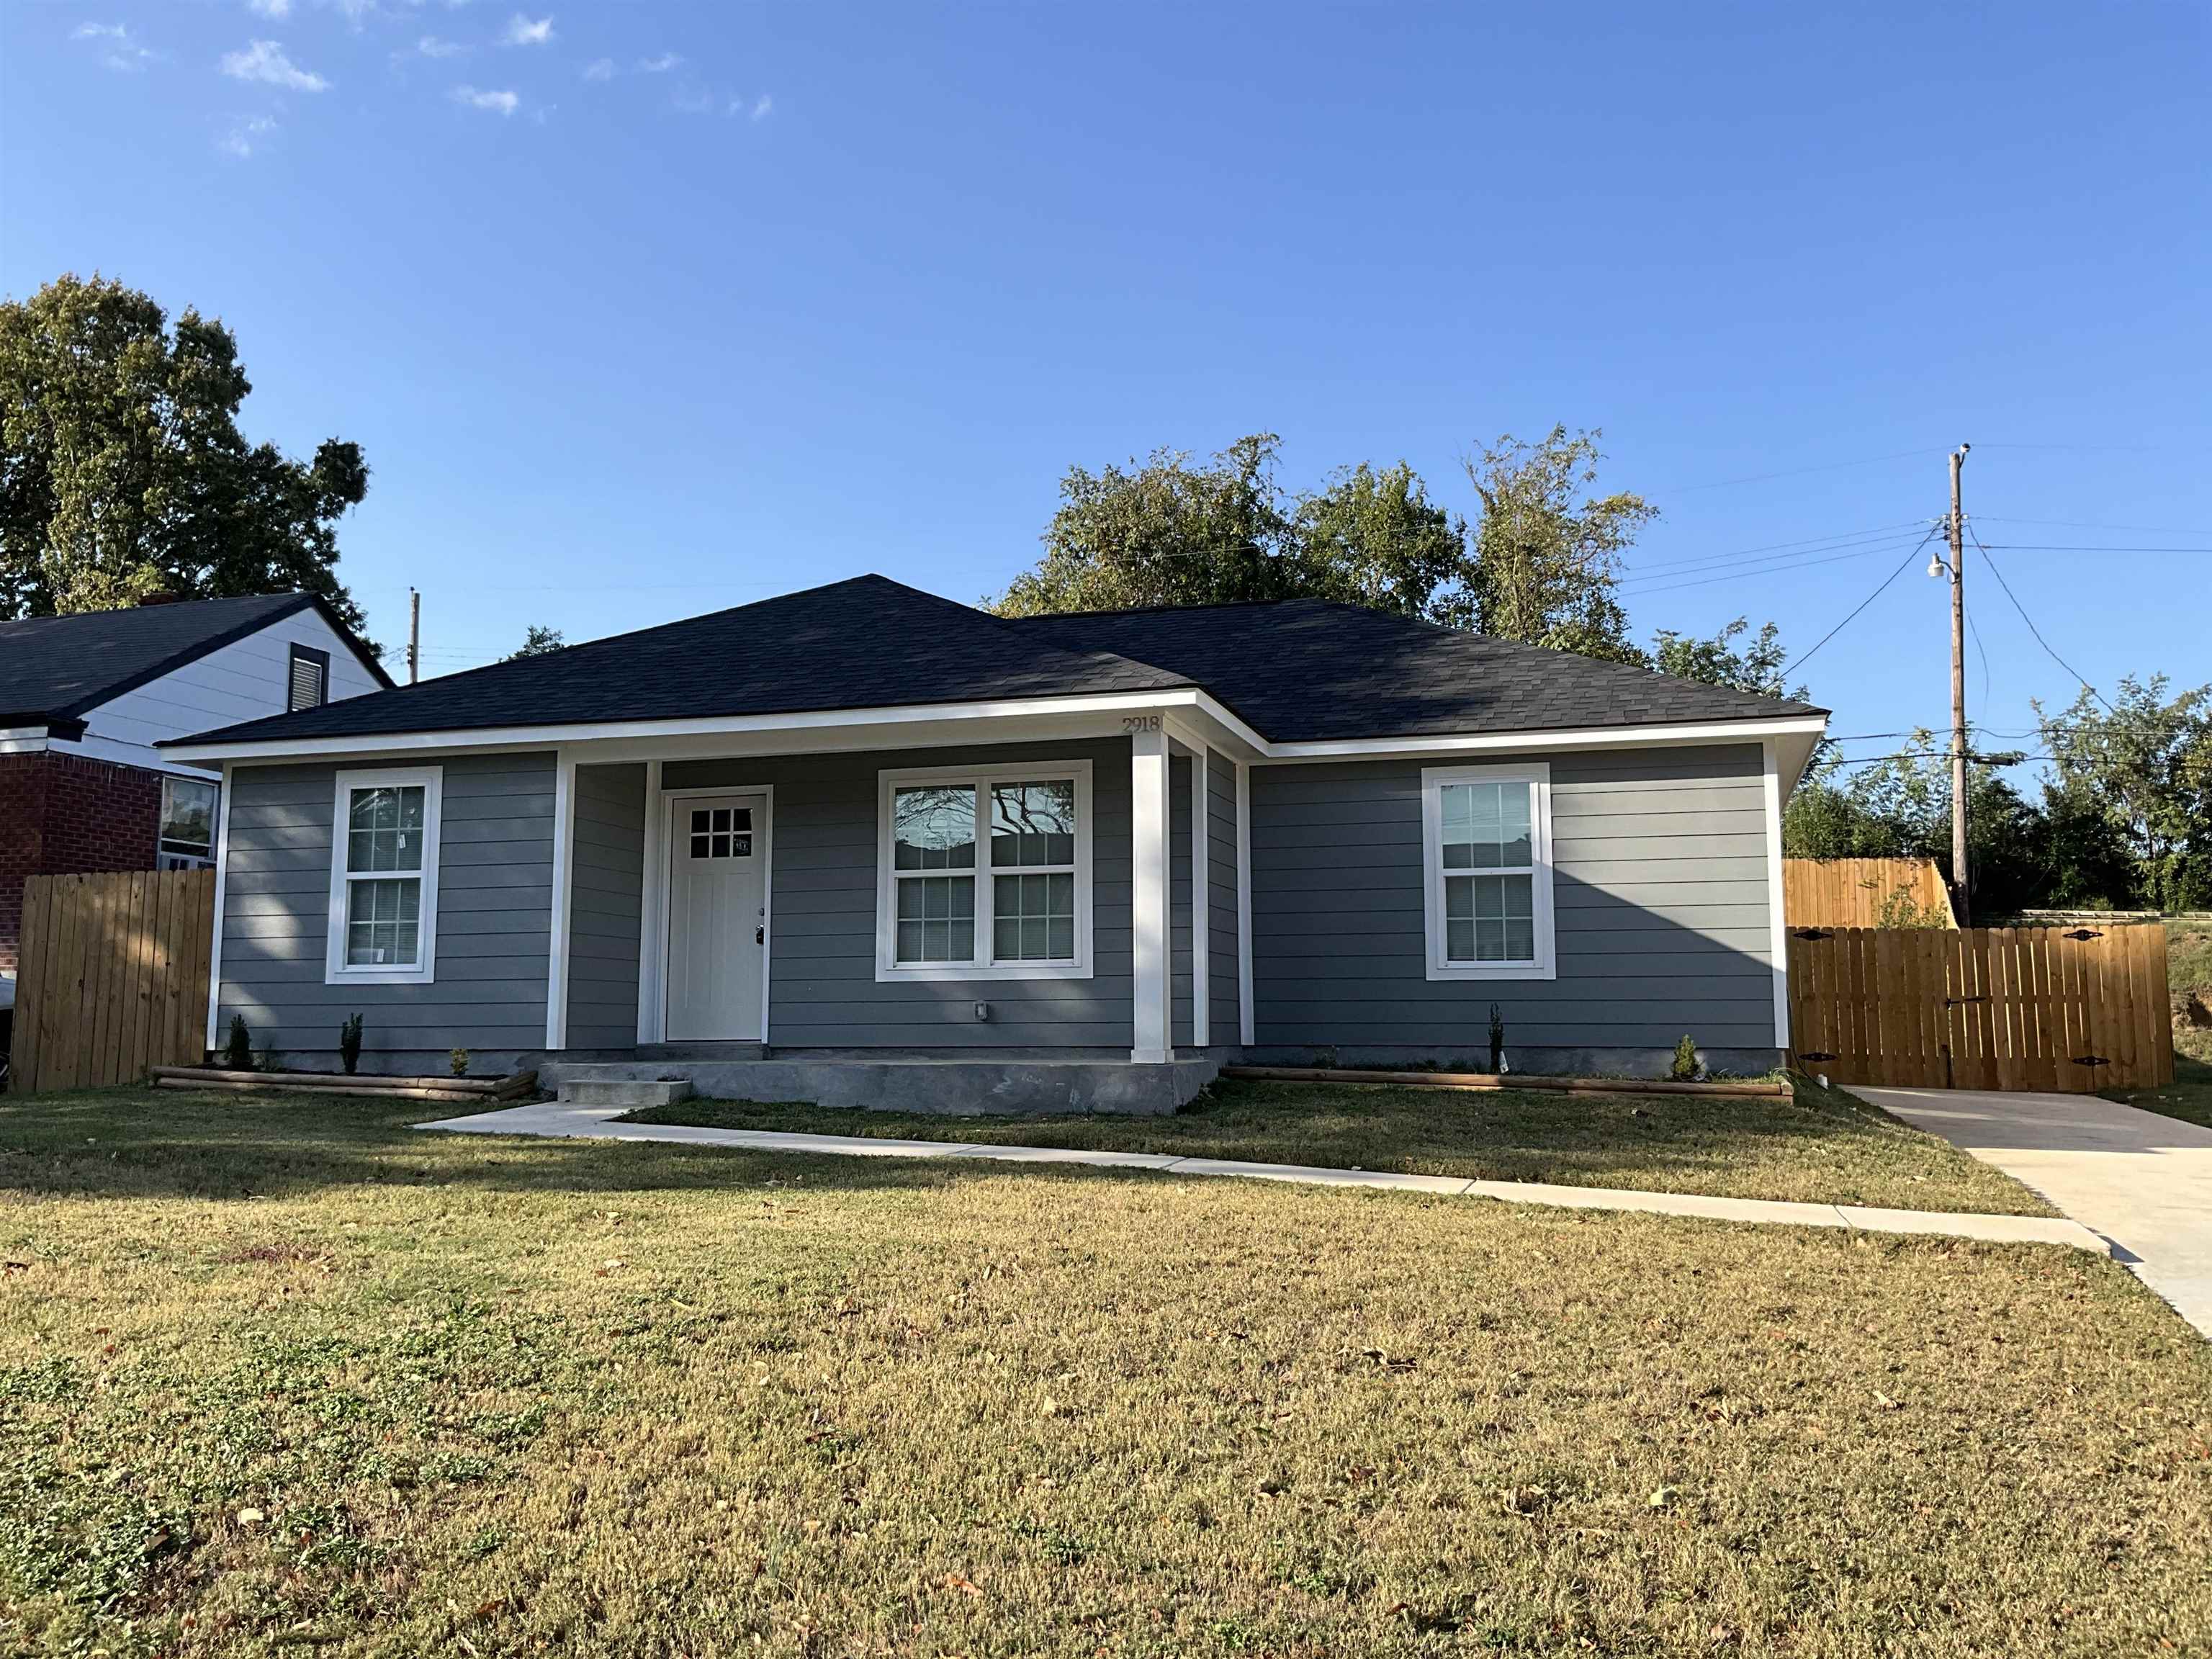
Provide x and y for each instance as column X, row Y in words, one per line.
column 863, row 843
column 85, row 700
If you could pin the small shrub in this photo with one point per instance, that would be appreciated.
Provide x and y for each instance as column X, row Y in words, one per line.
column 459, row 1060
column 1685, row 1068
column 1901, row 908
column 349, row 1045
column 237, row 1053
column 1497, row 1041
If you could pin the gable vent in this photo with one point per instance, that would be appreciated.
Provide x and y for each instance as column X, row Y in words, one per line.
column 311, row 679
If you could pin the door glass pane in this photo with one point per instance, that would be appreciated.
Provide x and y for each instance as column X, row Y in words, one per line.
column 934, row 828
column 1033, row 823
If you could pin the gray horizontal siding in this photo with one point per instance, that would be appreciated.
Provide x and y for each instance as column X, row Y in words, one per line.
column 495, row 903
column 605, row 899
column 1182, row 968
column 821, row 946
column 1222, row 999
column 1660, row 892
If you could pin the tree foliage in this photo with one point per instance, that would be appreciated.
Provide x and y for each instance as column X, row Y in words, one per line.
column 2142, row 767
column 1756, row 667
column 1547, row 555
column 539, row 641
column 123, row 472
column 1539, row 565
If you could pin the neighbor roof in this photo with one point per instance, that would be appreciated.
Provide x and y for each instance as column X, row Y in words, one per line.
column 1294, row 669
column 57, row 668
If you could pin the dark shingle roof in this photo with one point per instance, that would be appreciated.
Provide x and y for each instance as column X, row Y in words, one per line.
column 865, row 643
column 1296, row 670
column 1305, row 670
column 56, row 668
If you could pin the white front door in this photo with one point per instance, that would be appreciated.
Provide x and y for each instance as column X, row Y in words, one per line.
column 717, row 917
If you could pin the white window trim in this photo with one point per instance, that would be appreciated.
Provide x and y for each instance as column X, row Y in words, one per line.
column 1537, row 773
column 431, row 780
column 889, row 969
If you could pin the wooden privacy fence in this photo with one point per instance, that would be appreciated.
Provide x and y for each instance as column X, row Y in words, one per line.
column 2054, row 1010
column 112, row 978
column 1851, row 893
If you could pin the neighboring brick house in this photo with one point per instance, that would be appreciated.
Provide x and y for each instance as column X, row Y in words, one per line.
column 84, row 699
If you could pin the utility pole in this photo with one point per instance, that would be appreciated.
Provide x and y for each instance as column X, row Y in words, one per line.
column 414, row 608
column 1962, row 883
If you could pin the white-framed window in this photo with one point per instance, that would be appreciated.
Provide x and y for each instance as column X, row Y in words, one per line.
column 188, row 811
column 1487, row 871
column 984, row 873
column 384, row 877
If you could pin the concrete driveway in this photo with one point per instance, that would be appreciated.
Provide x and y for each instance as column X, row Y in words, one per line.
column 2142, row 1181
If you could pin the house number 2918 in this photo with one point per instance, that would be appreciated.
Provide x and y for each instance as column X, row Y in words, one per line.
column 1141, row 722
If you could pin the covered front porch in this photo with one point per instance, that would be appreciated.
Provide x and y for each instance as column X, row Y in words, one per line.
column 1030, row 912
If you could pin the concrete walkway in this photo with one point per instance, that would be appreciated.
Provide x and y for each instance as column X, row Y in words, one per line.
column 2142, row 1181
column 596, row 1123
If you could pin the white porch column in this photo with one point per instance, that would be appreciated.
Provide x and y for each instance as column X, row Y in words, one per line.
column 1149, row 801
column 564, row 865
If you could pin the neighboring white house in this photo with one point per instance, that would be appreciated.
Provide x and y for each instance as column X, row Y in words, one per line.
column 85, row 699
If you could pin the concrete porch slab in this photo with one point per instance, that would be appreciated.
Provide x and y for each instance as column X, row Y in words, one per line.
column 948, row 1087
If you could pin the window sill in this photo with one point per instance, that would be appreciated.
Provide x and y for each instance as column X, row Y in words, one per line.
column 379, row 977
column 1492, row 971
column 941, row 972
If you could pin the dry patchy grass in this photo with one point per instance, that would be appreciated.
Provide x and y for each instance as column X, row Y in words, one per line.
column 286, row 1376
column 1822, row 1146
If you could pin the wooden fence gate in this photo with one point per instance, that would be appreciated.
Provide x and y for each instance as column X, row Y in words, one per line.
column 112, row 977
column 2054, row 1009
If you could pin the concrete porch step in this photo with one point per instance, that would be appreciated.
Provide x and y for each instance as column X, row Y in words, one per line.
column 626, row 1092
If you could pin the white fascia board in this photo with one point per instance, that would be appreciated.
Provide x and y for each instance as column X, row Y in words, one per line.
column 916, row 725
column 34, row 740
column 924, row 725
column 1809, row 726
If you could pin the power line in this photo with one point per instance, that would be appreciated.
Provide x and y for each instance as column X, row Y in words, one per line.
column 1771, row 569
column 2080, row 524
column 1799, row 661
column 2068, row 547
column 2080, row 679
column 1841, row 538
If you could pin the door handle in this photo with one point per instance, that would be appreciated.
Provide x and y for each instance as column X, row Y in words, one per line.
column 760, row 935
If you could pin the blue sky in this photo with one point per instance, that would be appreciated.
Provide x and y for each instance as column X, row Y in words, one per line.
column 641, row 310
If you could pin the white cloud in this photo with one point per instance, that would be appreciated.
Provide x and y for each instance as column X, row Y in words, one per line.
column 270, row 7
column 246, row 135
column 599, row 69
column 264, row 60
column 660, row 65
column 498, row 103
column 431, row 46
column 123, row 52
column 762, row 106
column 522, row 32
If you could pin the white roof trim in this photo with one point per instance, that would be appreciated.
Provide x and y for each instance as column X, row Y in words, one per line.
column 1806, row 728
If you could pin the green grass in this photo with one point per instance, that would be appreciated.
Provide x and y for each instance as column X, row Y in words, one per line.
column 287, row 1376
column 1822, row 1146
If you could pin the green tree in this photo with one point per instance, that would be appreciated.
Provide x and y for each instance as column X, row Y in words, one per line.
column 1757, row 667
column 1547, row 555
column 1165, row 531
column 1376, row 540
column 123, row 472
column 2145, row 764
column 539, row 641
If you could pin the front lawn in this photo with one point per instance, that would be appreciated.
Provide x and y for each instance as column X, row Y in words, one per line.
column 288, row 1377
column 1823, row 1146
